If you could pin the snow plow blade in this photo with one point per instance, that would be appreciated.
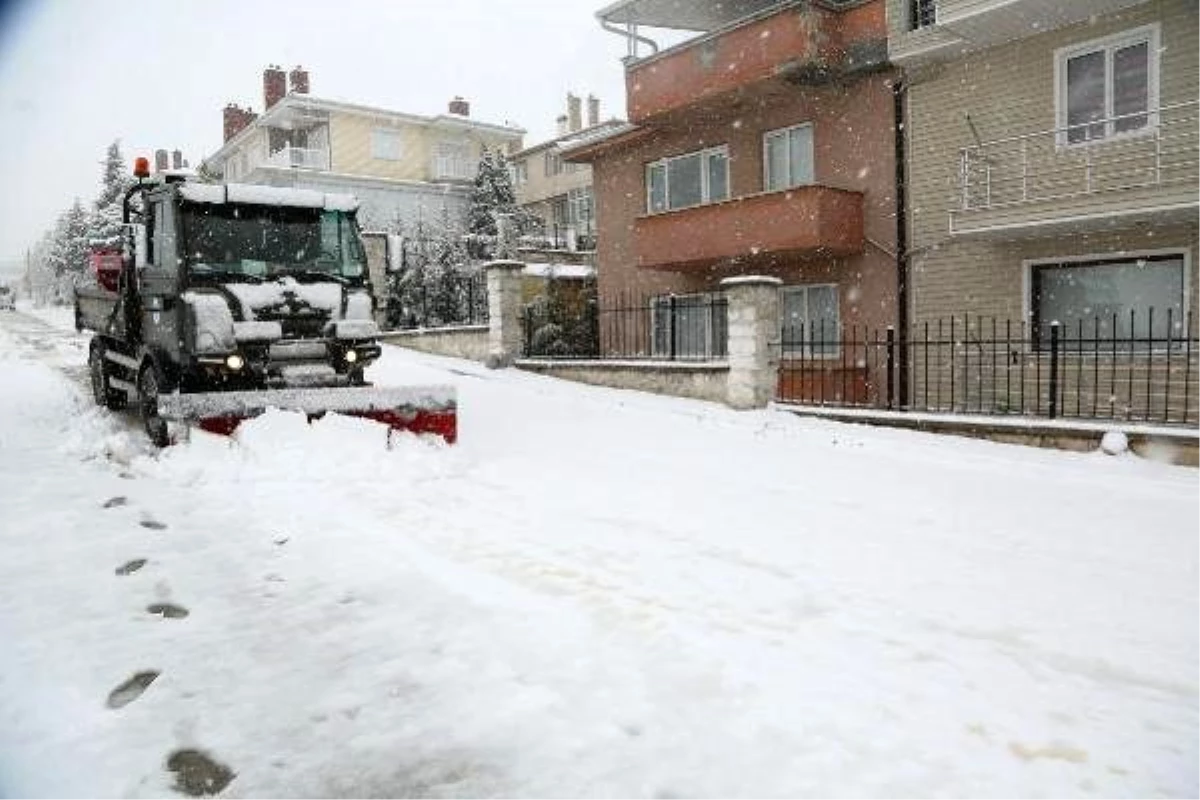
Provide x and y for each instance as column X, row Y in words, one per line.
column 415, row 409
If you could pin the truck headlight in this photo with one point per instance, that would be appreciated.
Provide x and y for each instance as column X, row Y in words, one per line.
column 235, row 362
column 351, row 356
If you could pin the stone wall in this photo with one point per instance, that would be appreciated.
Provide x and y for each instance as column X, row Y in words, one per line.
column 706, row 381
column 469, row 341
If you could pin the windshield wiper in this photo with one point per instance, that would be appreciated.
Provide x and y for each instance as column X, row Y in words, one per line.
column 198, row 271
column 315, row 274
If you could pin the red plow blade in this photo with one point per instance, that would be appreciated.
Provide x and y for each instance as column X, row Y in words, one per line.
column 412, row 409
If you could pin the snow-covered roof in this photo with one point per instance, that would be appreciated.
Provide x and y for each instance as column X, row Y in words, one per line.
column 587, row 134
column 218, row 193
column 585, row 139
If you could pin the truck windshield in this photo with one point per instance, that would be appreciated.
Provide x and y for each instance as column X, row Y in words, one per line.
column 265, row 241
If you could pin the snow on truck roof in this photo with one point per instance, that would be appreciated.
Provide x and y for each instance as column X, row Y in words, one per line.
column 218, row 193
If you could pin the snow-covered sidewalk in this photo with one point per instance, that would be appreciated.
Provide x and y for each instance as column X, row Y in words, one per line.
column 596, row 593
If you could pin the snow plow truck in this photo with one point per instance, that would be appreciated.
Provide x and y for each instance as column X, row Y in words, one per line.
column 230, row 299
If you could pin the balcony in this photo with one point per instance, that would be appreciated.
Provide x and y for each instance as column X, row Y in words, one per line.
column 1084, row 178
column 803, row 221
column 800, row 43
column 933, row 30
column 299, row 158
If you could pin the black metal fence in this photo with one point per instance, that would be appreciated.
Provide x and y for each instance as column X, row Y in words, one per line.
column 690, row 327
column 440, row 302
column 1103, row 368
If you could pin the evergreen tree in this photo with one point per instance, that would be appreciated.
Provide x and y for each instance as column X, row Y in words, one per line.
column 67, row 256
column 114, row 181
column 492, row 197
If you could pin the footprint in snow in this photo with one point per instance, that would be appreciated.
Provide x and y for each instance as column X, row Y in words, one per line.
column 113, row 502
column 153, row 525
column 197, row 774
column 131, row 689
column 130, row 567
column 167, row 610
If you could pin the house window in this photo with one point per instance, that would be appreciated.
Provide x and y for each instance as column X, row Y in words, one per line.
column 690, row 326
column 811, row 322
column 580, row 209
column 453, row 160
column 385, row 144
column 553, row 163
column 519, row 171
column 1107, row 87
column 688, row 180
column 921, row 14
column 1117, row 299
column 788, row 157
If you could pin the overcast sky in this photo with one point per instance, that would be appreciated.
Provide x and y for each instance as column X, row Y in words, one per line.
column 76, row 74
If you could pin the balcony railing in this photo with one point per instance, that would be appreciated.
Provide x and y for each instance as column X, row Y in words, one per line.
column 1156, row 148
column 299, row 158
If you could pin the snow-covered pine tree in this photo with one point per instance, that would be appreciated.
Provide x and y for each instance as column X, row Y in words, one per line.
column 67, row 258
column 492, row 197
column 114, row 181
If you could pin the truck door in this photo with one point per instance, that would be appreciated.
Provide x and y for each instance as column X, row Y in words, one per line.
column 159, row 289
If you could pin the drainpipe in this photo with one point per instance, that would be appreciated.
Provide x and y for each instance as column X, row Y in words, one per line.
column 899, row 94
column 631, row 35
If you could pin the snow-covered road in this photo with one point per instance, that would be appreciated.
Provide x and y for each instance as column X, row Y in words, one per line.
column 596, row 593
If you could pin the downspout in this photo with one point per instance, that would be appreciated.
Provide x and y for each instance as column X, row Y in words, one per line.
column 899, row 95
column 631, row 35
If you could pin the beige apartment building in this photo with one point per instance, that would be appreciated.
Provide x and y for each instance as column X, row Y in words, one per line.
column 557, row 193
column 1051, row 162
column 399, row 165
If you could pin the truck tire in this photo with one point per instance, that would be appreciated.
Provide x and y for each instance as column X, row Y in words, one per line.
column 150, row 384
column 99, row 371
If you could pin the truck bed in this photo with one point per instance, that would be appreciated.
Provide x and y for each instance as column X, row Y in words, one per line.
column 94, row 310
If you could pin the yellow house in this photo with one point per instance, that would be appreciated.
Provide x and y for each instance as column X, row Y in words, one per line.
column 399, row 165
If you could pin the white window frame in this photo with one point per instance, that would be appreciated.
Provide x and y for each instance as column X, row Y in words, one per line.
column 662, row 304
column 1152, row 35
column 1028, row 265
column 705, row 189
column 378, row 136
column 766, row 173
column 454, row 165
column 795, row 353
column 576, row 199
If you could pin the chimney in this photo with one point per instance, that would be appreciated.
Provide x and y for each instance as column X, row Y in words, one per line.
column 160, row 160
column 298, row 79
column 460, row 107
column 235, row 119
column 562, row 124
column 274, row 85
column 176, row 159
column 574, row 115
column 593, row 110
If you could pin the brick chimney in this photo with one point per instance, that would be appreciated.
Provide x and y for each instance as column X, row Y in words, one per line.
column 235, row 119
column 160, row 160
column 176, row 159
column 561, row 124
column 574, row 113
column 460, row 107
column 593, row 110
column 298, row 78
column 274, row 85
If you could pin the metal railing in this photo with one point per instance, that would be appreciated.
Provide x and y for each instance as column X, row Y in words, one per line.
column 442, row 302
column 629, row 327
column 299, row 158
column 1142, row 369
column 1146, row 149
column 921, row 14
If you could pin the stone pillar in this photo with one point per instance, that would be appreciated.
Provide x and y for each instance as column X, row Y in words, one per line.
column 753, row 340
column 504, row 312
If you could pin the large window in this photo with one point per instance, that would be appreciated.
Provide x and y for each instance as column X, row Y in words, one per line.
column 1132, row 297
column 811, row 322
column 453, row 160
column 688, row 180
column 385, row 144
column 788, row 157
column 690, row 326
column 580, row 209
column 1107, row 87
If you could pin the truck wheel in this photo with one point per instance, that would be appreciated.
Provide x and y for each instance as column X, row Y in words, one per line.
column 104, row 394
column 148, row 389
